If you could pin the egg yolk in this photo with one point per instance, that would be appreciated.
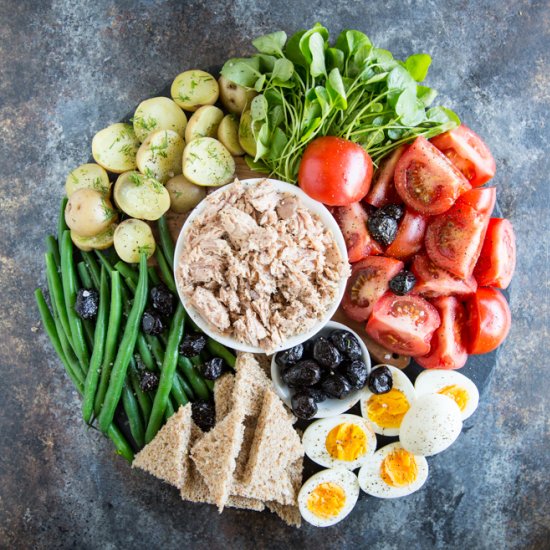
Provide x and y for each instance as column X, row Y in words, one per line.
column 346, row 442
column 388, row 409
column 326, row 500
column 399, row 468
column 458, row 394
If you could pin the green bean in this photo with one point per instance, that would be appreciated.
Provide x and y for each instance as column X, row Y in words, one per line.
column 122, row 446
column 166, row 242
column 126, row 271
column 197, row 383
column 84, row 275
column 131, row 409
column 104, row 261
column 169, row 411
column 56, row 292
column 93, row 268
column 126, row 349
column 219, row 350
column 131, row 285
column 53, row 248
column 96, row 361
column 165, row 271
column 88, row 334
column 68, row 278
column 61, row 224
column 143, row 399
column 145, row 352
column 167, row 374
column 153, row 275
column 194, row 325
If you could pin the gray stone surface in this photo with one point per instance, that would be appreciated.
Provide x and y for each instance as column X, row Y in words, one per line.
column 69, row 68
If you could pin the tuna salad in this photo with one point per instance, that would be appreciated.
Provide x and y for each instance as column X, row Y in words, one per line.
column 258, row 266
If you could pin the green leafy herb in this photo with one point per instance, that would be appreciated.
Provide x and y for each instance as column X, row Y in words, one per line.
column 309, row 87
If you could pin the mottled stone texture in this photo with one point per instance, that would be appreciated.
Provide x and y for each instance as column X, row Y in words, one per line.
column 69, row 68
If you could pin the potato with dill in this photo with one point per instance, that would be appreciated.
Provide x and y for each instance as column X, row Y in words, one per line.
column 184, row 195
column 228, row 134
column 203, row 123
column 89, row 213
column 233, row 96
column 246, row 134
column 158, row 113
column 207, row 162
column 101, row 241
column 194, row 88
column 133, row 237
column 160, row 155
column 115, row 147
column 141, row 196
column 88, row 176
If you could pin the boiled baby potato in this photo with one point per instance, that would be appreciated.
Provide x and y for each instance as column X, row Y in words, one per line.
column 88, row 176
column 98, row 242
column 158, row 113
column 192, row 89
column 133, row 237
column 115, row 147
column 228, row 134
column 207, row 162
column 184, row 195
column 141, row 196
column 89, row 213
column 159, row 156
column 204, row 123
column 246, row 135
column 234, row 97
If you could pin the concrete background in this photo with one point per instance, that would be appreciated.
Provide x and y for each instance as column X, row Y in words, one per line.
column 69, row 68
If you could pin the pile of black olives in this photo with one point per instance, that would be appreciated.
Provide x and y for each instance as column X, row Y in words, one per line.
column 322, row 368
column 157, row 317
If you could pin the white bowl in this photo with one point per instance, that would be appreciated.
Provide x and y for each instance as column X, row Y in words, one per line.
column 312, row 205
column 329, row 407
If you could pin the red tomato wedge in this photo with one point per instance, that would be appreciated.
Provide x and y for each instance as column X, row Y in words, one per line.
column 467, row 151
column 410, row 236
column 432, row 281
column 426, row 180
column 489, row 320
column 352, row 220
column 482, row 200
column 497, row 260
column 369, row 280
column 403, row 324
column 447, row 349
column 382, row 191
column 335, row 171
column 453, row 240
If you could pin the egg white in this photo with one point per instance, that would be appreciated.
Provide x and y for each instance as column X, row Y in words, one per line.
column 372, row 483
column 402, row 383
column 433, row 380
column 431, row 425
column 314, row 441
column 340, row 476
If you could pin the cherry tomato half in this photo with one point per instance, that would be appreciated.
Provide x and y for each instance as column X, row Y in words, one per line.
column 426, row 180
column 497, row 260
column 483, row 200
column 335, row 171
column 489, row 320
column 467, row 151
column 410, row 236
column 382, row 191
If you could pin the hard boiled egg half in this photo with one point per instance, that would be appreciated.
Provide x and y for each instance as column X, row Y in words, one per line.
column 452, row 384
column 393, row 472
column 328, row 496
column 386, row 411
column 345, row 440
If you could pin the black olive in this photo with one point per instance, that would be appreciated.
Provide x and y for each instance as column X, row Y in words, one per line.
column 308, row 349
column 316, row 392
column 151, row 322
column 290, row 356
column 356, row 372
column 203, row 414
column 383, row 228
column 326, row 353
column 162, row 300
column 380, row 380
column 303, row 373
column 402, row 283
column 346, row 342
column 149, row 381
column 212, row 369
column 303, row 405
column 87, row 303
column 394, row 211
column 337, row 386
column 192, row 345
